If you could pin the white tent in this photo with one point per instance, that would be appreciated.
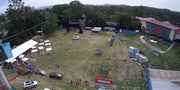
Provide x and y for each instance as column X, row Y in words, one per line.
column 21, row 49
column 25, row 59
column 34, row 50
column 48, row 49
column 98, row 29
column 47, row 44
column 46, row 41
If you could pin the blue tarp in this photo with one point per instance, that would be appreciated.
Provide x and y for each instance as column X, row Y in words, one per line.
column 148, row 78
column 100, row 31
column 124, row 31
column 132, row 55
column 151, row 52
column 12, row 88
column 121, row 40
column 129, row 31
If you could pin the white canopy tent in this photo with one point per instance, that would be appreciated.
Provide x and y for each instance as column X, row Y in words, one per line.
column 41, row 44
column 34, row 50
column 97, row 29
column 46, row 41
column 21, row 49
column 33, row 47
column 48, row 49
column 25, row 59
column 13, row 60
column 47, row 44
column 41, row 48
column 21, row 56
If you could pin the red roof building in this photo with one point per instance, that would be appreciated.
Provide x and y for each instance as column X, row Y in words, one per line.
column 163, row 29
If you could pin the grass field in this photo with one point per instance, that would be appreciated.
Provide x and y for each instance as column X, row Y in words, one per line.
column 75, row 58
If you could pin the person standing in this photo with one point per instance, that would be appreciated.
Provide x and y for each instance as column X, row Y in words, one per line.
column 71, row 81
column 77, row 83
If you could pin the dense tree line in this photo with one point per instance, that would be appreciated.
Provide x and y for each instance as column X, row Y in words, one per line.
column 143, row 11
column 97, row 15
column 19, row 17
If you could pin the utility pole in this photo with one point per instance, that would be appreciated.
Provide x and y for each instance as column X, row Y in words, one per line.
column 5, row 79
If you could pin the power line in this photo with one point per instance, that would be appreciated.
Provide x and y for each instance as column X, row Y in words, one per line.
column 24, row 31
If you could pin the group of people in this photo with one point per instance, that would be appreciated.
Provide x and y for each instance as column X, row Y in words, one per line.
column 78, row 81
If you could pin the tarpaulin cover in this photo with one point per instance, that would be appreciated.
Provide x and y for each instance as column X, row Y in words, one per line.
column 129, row 31
column 99, row 49
column 31, row 66
column 121, row 40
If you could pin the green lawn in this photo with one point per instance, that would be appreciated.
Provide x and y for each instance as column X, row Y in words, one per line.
column 74, row 57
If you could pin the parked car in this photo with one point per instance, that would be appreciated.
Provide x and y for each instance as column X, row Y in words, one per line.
column 40, row 72
column 75, row 38
column 29, row 84
column 55, row 75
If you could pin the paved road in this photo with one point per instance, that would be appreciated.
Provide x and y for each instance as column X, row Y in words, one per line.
column 154, row 47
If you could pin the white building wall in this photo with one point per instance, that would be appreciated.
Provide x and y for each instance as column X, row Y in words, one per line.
column 143, row 24
column 177, row 36
column 171, row 35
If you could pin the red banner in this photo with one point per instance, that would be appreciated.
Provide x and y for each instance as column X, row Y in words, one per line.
column 103, row 81
column 14, row 78
column 2, row 85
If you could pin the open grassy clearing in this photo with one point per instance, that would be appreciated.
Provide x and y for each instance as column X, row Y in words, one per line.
column 74, row 56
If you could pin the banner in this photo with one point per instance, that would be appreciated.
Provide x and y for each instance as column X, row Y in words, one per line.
column 7, row 49
column 103, row 81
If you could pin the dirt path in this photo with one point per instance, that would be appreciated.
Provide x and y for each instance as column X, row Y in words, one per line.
column 154, row 47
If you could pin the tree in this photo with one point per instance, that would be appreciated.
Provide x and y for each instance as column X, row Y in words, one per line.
column 16, row 13
column 33, row 18
column 95, row 16
column 125, row 21
column 58, row 10
column 110, row 12
column 77, row 9
column 50, row 26
column 73, row 13
column 2, row 21
column 2, row 18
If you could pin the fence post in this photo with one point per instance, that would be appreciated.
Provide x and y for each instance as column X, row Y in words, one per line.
column 148, row 78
